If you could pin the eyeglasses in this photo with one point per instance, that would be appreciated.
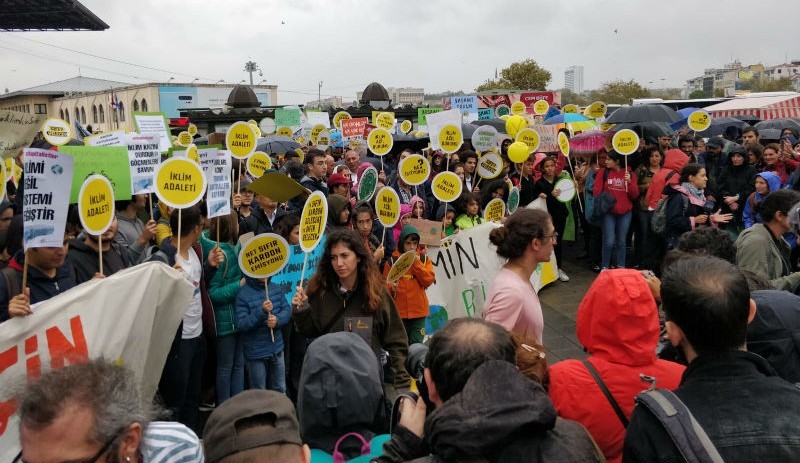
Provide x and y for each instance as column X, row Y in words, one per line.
column 553, row 236
column 95, row 458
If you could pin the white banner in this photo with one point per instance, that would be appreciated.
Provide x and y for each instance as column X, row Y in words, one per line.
column 465, row 269
column 48, row 182
column 17, row 131
column 438, row 120
column 318, row 117
column 130, row 317
column 156, row 124
column 144, row 155
column 218, row 175
column 115, row 138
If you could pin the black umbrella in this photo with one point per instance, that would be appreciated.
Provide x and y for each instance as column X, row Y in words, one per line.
column 646, row 129
column 498, row 124
column 720, row 124
column 769, row 134
column 780, row 124
column 276, row 145
column 748, row 118
column 468, row 129
column 644, row 113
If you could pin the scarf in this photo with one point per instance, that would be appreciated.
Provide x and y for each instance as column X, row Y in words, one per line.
column 694, row 191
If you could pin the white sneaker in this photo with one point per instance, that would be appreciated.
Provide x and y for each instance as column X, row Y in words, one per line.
column 562, row 276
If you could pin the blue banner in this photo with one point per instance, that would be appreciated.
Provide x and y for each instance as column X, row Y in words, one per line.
column 485, row 113
column 289, row 277
column 467, row 104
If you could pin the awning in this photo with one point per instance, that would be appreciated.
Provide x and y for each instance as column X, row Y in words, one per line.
column 763, row 105
column 46, row 15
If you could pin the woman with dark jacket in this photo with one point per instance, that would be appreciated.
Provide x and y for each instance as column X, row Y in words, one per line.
column 687, row 207
column 734, row 187
column 348, row 293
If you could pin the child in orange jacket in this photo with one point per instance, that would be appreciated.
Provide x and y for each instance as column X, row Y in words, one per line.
column 409, row 291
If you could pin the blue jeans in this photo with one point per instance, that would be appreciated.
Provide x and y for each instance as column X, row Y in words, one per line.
column 615, row 230
column 230, row 367
column 268, row 373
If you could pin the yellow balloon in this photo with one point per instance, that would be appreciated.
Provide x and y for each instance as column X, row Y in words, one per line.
column 514, row 124
column 518, row 152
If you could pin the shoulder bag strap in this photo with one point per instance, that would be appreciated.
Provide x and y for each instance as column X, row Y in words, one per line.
column 607, row 393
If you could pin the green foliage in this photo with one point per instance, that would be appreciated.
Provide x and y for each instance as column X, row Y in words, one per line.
column 619, row 92
column 697, row 94
column 523, row 75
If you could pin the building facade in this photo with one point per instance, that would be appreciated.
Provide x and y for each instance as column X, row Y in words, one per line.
column 573, row 79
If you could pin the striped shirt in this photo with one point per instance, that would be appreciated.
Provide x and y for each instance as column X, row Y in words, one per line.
column 169, row 442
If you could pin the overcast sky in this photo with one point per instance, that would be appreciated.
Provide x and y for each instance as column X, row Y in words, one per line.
column 435, row 44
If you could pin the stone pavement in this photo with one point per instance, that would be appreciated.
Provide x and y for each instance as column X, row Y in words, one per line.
column 560, row 306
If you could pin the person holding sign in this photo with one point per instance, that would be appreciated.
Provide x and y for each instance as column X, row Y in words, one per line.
column 348, row 293
column 84, row 253
column 132, row 234
column 622, row 186
column 546, row 189
column 409, row 291
column 470, row 212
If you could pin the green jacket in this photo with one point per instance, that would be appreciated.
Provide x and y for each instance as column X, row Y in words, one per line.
column 224, row 285
column 758, row 252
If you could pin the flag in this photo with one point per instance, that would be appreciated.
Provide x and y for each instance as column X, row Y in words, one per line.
column 80, row 132
column 113, row 101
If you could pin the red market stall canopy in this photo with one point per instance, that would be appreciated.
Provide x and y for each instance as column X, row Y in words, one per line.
column 763, row 105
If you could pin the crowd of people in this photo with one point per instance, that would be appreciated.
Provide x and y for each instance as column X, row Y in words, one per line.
column 344, row 351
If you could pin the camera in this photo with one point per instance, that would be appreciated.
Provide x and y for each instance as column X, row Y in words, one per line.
column 415, row 366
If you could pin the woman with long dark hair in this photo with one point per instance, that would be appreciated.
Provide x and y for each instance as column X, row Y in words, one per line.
column 622, row 185
column 348, row 293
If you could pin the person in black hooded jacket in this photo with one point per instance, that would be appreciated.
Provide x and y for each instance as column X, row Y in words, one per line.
column 484, row 407
column 85, row 257
column 774, row 333
column 735, row 183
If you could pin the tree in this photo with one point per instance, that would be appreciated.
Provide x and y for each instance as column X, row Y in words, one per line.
column 776, row 85
column 719, row 92
column 620, row 92
column 697, row 94
column 570, row 97
column 523, row 75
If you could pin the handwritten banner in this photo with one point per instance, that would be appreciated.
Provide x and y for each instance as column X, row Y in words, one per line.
column 17, row 131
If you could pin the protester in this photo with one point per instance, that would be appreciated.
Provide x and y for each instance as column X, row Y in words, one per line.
column 470, row 207
column 254, row 426
column 409, row 291
column 260, row 321
column 132, row 234
column 340, row 185
column 736, row 184
column 485, row 409
column 363, row 219
column 644, row 244
column 405, row 219
column 222, row 290
column 764, row 184
column 339, row 209
column 618, row 324
column 348, row 293
column 353, row 403
column 750, row 136
column 747, row 411
column 559, row 213
column 49, row 274
column 526, row 240
column 181, row 378
column 771, row 333
column 262, row 220
column 447, row 215
column 243, row 200
column 84, row 254
column 776, row 161
column 314, row 180
column 687, row 207
column 163, row 230
column 95, row 412
column 762, row 248
column 622, row 186
column 524, row 181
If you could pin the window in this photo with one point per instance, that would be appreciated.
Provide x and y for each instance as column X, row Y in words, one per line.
column 94, row 114
column 60, row 113
column 102, row 115
column 135, row 106
column 40, row 108
column 66, row 115
column 144, row 105
column 121, row 110
column 77, row 114
column 83, row 115
column 115, row 112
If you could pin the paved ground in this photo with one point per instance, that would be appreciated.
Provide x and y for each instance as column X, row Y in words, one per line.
column 560, row 306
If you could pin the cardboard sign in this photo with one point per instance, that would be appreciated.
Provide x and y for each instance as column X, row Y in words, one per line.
column 241, row 140
column 699, row 120
column 111, row 161
column 513, row 199
column 96, row 205
column 258, row 163
column 384, row 120
column 450, row 138
column 446, row 186
column 406, row 126
column 339, row 117
column 48, row 179
column 387, row 207
column 314, row 118
column 490, row 165
column 430, row 231
column 595, row 110
column 17, row 131
column 518, row 108
column 484, row 114
column 625, row 142
column 114, row 138
column 563, row 143
column 313, row 221
column 414, row 170
column 438, row 121
column 484, row 138
column 268, row 125
column 185, row 138
column 264, row 255
column 401, row 266
column 315, row 131
column 380, row 142
column 143, row 157
column 354, row 127
column 495, row 210
column 180, row 183
column 368, row 183
column 156, row 124
column 287, row 117
column 422, row 115
column 56, row 131
column 218, row 176
column 530, row 137
column 541, row 107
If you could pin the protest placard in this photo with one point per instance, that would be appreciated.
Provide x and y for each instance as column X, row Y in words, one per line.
column 339, row 117
column 113, row 138
column 111, row 161
column 287, row 117
column 218, row 175
column 56, row 131
column 436, row 121
column 287, row 279
column 387, row 207
column 48, row 179
column 180, row 182
column 96, row 205
column 154, row 123
column 143, row 158
column 354, row 127
column 414, row 169
column 258, row 163
column 77, row 326
column 240, row 140
column 401, row 266
column 17, row 131
column 263, row 255
column 367, row 184
column 446, row 186
column 422, row 115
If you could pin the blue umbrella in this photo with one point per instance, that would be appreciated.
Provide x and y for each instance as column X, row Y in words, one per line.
column 566, row 119
column 686, row 111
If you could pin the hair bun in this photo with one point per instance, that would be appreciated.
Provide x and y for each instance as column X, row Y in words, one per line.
column 498, row 235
